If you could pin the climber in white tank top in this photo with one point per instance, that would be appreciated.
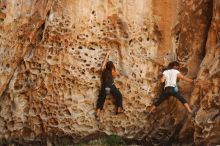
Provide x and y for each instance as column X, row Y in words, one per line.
column 169, row 78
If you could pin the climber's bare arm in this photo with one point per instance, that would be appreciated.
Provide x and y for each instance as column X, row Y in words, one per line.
column 180, row 76
column 162, row 80
column 104, row 62
column 115, row 73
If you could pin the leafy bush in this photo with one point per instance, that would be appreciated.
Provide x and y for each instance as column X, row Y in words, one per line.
column 113, row 140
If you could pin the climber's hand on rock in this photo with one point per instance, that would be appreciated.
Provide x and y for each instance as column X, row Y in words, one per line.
column 195, row 82
column 108, row 52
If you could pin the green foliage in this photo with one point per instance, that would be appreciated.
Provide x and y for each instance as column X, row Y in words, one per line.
column 113, row 140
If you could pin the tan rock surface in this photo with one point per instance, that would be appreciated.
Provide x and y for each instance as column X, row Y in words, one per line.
column 51, row 52
column 206, row 93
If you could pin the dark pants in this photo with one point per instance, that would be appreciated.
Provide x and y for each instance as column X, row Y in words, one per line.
column 166, row 93
column 102, row 95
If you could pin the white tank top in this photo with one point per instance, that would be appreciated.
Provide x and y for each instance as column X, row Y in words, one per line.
column 170, row 77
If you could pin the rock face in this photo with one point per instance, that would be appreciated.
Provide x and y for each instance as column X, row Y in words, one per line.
column 51, row 53
column 205, row 94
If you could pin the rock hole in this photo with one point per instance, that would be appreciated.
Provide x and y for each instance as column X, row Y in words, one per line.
column 67, row 112
column 177, row 38
column 93, row 69
column 134, row 75
column 206, row 71
column 90, row 48
column 49, row 57
column 1, row 19
column 18, row 87
column 7, row 65
column 140, row 39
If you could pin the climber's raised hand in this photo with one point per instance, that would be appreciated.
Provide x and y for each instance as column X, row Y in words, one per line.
column 105, row 60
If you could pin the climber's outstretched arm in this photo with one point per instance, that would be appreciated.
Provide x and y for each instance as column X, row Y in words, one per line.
column 105, row 60
column 180, row 76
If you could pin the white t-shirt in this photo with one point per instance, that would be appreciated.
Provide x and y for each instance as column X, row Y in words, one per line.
column 170, row 77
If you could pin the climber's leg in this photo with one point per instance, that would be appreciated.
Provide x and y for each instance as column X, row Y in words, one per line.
column 183, row 101
column 118, row 98
column 100, row 101
column 163, row 96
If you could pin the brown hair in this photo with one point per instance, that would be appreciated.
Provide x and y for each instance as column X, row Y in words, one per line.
column 108, row 70
column 110, row 66
column 173, row 64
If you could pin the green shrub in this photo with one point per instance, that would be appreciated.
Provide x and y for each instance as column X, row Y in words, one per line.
column 113, row 140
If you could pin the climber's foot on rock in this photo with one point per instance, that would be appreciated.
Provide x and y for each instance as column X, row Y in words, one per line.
column 192, row 114
column 97, row 114
column 151, row 109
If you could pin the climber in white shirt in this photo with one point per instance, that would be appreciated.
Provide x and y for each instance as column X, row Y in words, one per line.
column 170, row 77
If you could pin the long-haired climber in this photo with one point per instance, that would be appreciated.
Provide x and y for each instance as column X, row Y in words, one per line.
column 169, row 77
column 107, row 86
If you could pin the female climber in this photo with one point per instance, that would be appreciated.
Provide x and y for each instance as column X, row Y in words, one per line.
column 107, row 86
column 170, row 76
